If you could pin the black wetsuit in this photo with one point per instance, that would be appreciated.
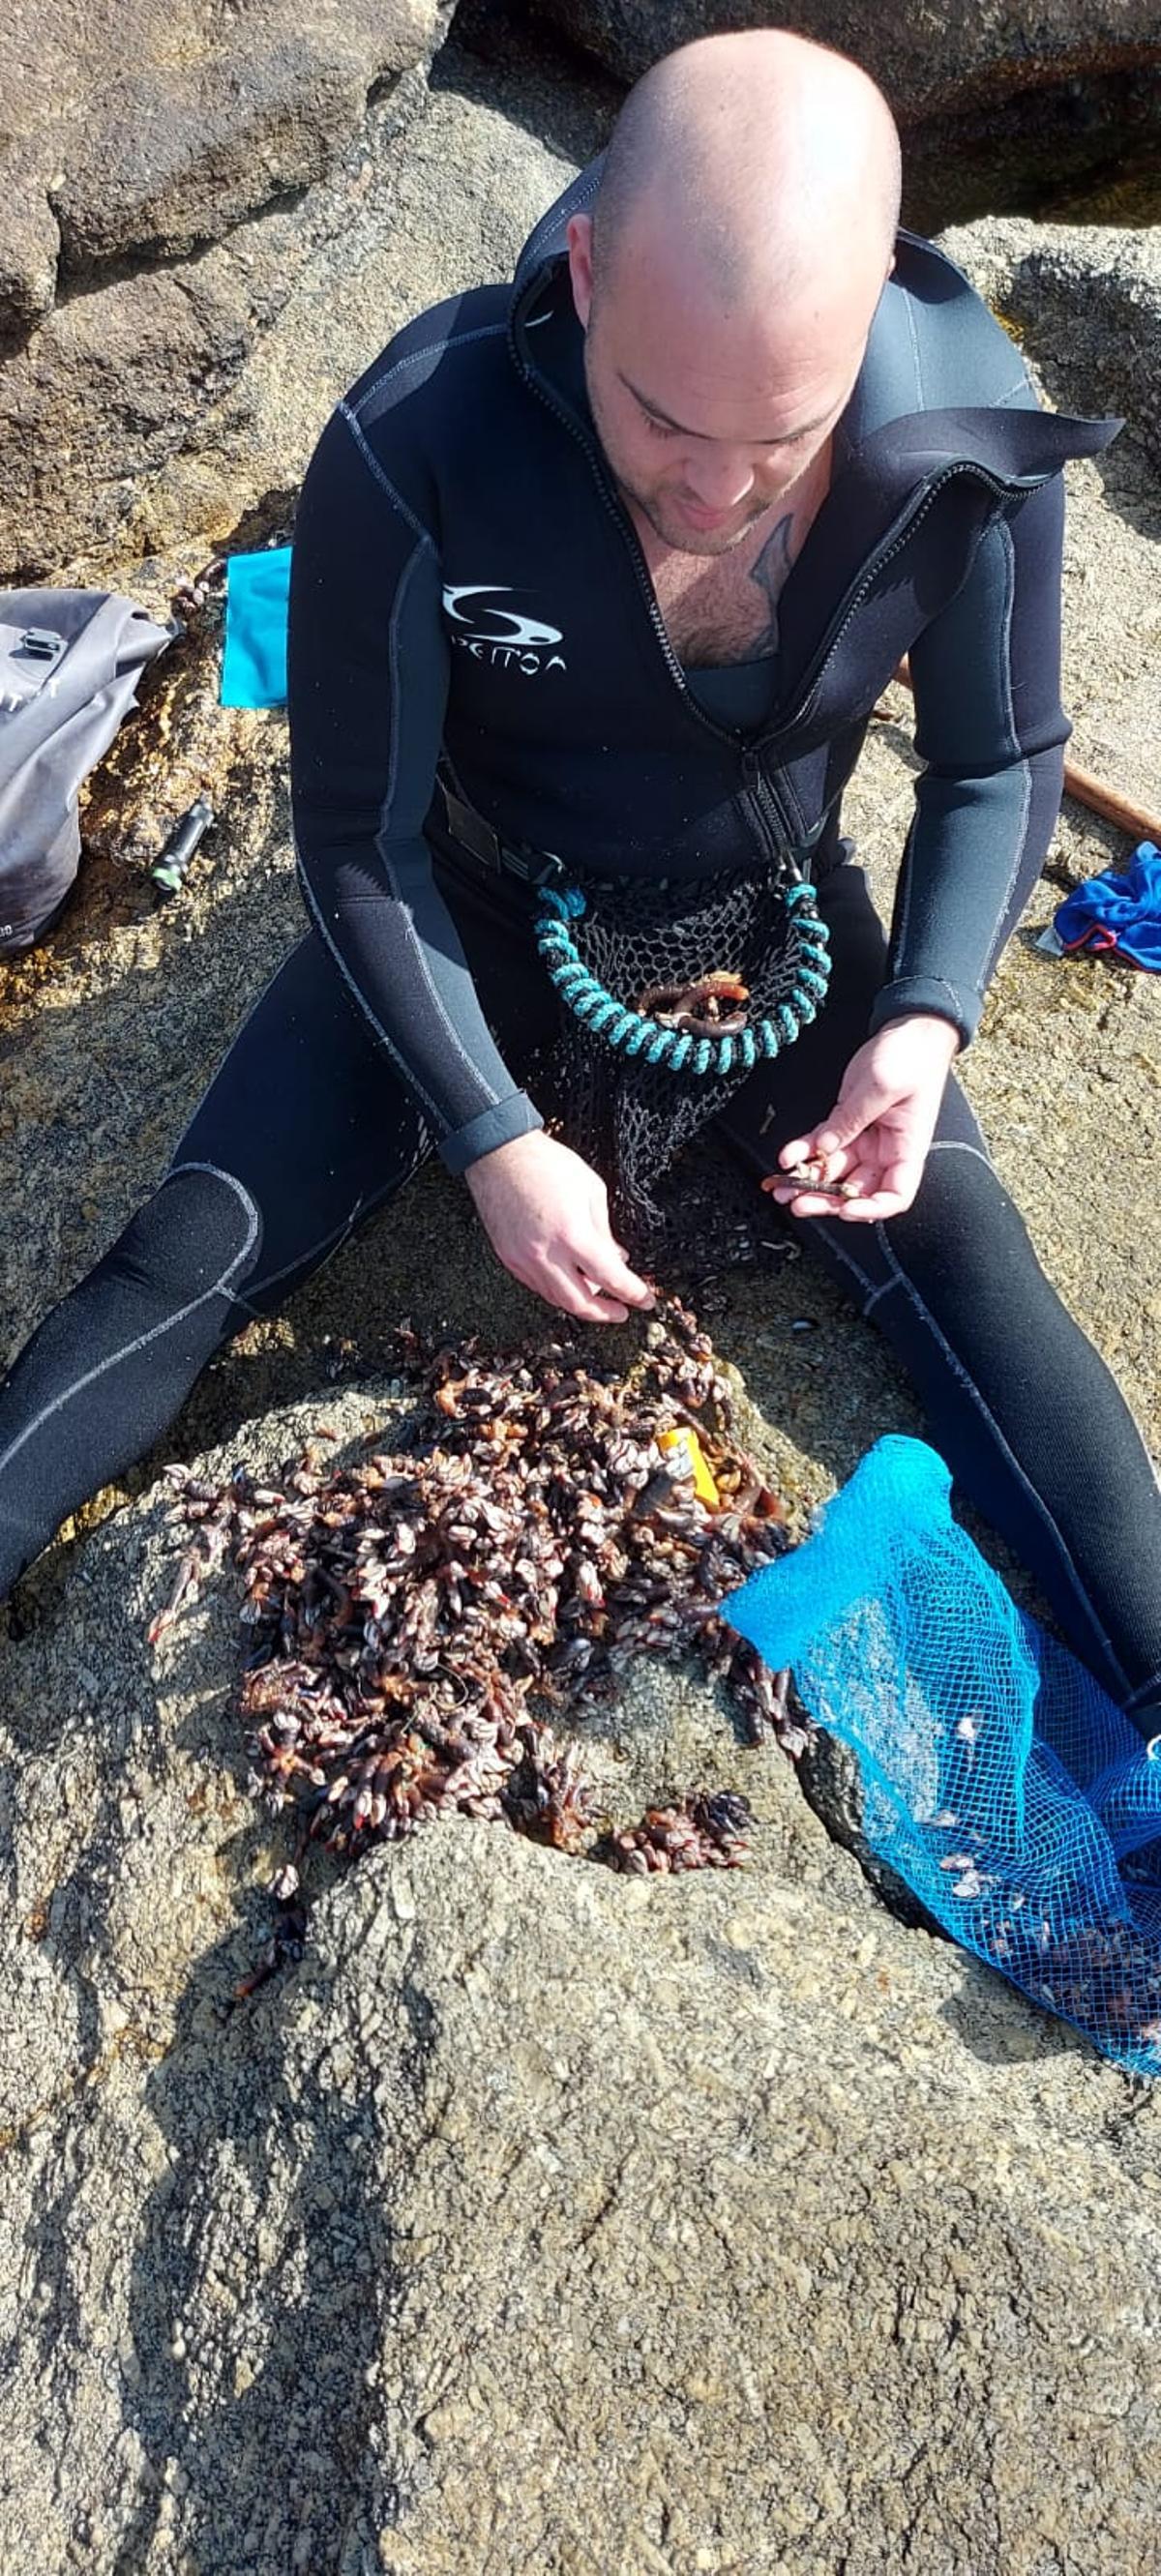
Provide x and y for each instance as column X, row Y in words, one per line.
column 466, row 582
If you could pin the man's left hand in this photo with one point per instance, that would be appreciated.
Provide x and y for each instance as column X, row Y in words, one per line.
column 881, row 1126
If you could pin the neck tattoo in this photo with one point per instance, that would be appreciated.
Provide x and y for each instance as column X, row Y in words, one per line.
column 769, row 570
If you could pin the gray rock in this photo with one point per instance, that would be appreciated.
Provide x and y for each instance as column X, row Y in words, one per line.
column 29, row 241
column 142, row 132
column 536, row 2218
column 831, row 1781
column 153, row 224
column 948, row 58
column 165, row 404
column 1085, row 303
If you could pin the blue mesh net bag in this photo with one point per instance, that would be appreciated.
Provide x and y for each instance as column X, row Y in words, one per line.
column 998, row 1780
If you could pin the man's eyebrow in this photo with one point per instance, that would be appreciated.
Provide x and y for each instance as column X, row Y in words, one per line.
column 786, row 439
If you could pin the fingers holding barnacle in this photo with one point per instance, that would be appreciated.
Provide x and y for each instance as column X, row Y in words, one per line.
column 812, row 1183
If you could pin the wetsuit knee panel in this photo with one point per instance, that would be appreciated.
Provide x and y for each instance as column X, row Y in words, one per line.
column 199, row 1232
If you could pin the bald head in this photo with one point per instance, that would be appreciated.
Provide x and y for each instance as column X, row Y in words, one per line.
column 728, row 279
column 763, row 163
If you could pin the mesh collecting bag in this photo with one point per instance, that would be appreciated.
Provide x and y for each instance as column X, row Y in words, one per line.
column 645, row 1058
column 998, row 1779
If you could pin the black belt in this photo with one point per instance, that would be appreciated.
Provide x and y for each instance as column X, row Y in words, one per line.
column 500, row 858
column 539, row 867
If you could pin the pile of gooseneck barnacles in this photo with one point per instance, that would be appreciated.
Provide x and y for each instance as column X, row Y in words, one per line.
column 528, row 1539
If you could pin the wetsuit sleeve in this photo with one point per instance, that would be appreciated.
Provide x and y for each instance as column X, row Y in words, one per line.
column 990, row 726
column 367, row 683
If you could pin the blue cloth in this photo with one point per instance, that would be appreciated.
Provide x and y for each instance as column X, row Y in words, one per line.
column 257, row 600
column 1118, row 911
column 1015, row 1799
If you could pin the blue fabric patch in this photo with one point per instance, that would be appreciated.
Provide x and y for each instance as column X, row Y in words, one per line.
column 257, row 598
column 1119, row 911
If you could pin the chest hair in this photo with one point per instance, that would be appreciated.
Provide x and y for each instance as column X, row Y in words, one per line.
column 724, row 608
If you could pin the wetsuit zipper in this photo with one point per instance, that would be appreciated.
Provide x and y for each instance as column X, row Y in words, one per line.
column 917, row 510
column 763, row 808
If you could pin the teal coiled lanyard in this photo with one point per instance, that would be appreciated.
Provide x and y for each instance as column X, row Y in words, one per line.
column 636, row 1034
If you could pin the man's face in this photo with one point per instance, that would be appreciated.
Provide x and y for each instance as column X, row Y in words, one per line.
column 707, row 420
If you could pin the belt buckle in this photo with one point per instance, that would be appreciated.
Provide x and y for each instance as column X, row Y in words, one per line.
column 535, row 870
column 533, row 867
column 471, row 831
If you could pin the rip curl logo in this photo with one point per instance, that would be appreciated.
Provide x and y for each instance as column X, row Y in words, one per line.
column 502, row 637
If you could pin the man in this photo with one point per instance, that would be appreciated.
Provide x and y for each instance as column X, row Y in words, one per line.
column 630, row 550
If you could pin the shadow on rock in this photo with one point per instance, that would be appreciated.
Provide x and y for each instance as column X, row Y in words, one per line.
column 997, row 2024
column 263, row 2283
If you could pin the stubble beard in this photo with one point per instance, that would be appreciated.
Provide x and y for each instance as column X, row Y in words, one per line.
column 680, row 538
column 685, row 540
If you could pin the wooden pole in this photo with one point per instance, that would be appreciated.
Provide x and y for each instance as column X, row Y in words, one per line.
column 1134, row 819
column 1107, row 801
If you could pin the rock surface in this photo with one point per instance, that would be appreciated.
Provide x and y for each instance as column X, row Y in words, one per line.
column 1084, row 302
column 164, row 406
column 943, row 58
column 538, row 2220
column 137, row 132
column 155, row 219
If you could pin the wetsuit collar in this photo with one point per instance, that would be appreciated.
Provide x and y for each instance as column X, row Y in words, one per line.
column 884, row 440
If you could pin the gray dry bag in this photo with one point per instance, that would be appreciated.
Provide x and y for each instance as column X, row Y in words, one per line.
column 69, row 665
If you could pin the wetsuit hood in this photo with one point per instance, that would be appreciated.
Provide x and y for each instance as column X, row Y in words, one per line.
column 940, row 381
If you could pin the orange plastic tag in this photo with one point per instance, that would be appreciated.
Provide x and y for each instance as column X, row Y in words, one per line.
column 686, row 1439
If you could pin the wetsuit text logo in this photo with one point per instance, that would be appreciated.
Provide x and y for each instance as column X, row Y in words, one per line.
column 500, row 636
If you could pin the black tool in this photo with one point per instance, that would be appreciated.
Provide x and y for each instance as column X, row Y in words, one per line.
column 168, row 869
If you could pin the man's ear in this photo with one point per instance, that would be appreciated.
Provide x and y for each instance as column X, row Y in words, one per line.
column 579, row 236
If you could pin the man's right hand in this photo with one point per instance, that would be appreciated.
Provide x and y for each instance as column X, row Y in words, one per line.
column 546, row 1216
